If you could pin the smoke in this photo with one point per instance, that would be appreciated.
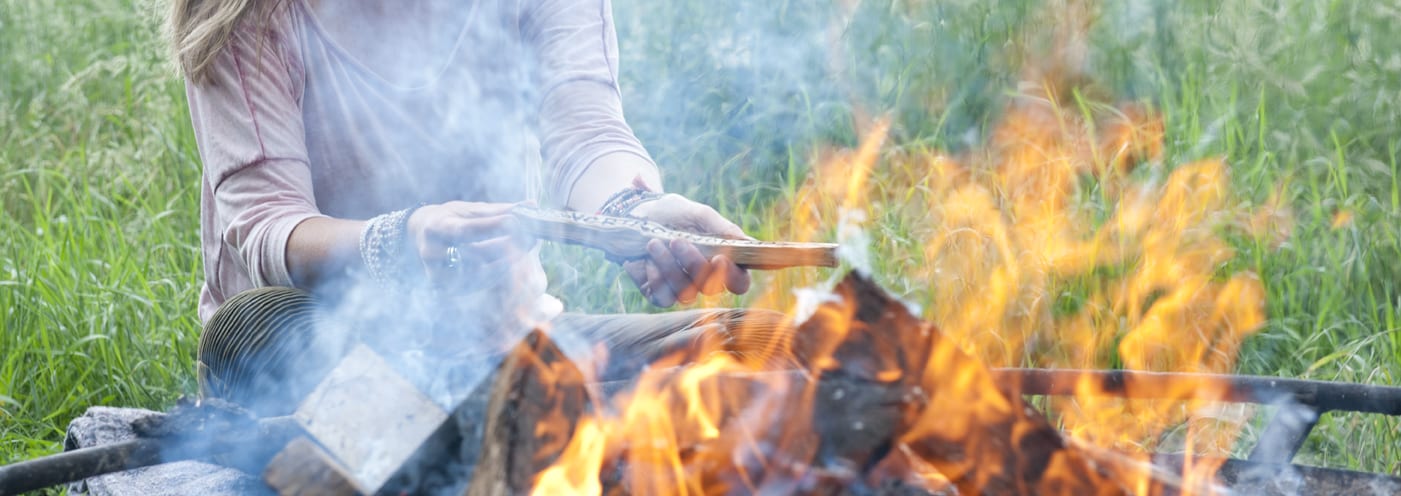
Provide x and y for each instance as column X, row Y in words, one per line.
column 726, row 96
column 461, row 109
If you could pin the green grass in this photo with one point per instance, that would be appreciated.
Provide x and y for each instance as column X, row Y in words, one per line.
column 99, row 177
column 99, row 257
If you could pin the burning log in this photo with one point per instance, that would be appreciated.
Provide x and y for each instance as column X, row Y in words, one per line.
column 942, row 407
column 536, row 399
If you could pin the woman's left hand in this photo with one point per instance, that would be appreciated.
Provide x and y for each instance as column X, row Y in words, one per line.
column 676, row 271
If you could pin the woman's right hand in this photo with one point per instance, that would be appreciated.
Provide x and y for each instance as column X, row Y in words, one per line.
column 484, row 237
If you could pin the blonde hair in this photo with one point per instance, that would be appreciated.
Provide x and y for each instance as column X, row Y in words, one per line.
column 199, row 29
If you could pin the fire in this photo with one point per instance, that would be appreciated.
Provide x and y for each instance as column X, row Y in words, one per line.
column 1024, row 272
column 1065, row 242
column 584, row 457
column 1054, row 246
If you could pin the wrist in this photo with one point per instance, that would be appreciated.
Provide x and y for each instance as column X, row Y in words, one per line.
column 384, row 244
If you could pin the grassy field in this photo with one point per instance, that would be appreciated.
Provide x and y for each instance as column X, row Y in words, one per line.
column 740, row 101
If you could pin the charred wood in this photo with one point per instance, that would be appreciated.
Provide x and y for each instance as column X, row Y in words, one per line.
column 535, row 401
column 953, row 415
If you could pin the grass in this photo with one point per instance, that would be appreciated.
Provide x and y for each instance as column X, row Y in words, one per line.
column 99, row 257
column 99, row 266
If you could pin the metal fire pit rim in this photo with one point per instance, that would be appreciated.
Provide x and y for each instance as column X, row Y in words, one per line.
column 1302, row 401
column 1323, row 396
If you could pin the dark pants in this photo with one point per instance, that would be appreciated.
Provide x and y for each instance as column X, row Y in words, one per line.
column 267, row 348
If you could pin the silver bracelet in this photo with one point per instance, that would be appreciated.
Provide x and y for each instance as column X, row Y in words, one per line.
column 382, row 246
column 622, row 203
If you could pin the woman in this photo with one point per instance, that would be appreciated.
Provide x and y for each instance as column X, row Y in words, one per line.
column 369, row 152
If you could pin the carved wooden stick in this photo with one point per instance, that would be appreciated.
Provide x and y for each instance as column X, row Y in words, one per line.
column 624, row 238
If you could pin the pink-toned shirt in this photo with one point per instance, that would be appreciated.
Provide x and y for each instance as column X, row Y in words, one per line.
column 291, row 125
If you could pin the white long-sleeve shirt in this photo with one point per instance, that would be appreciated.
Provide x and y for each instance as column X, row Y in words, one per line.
column 292, row 124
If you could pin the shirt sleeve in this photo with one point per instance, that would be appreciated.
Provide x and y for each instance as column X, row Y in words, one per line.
column 581, row 110
column 248, row 125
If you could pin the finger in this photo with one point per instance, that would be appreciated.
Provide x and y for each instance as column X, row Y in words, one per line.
column 672, row 273
column 714, row 282
column 480, row 261
column 637, row 271
column 696, row 266
column 433, row 253
column 436, row 267
column 501, row 248
column 656, row 289
column 736, row 279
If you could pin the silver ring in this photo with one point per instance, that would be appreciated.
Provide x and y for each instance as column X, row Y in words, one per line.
column 453, row 257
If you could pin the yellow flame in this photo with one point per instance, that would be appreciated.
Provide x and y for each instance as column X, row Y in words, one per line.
column 579, row 465
column 1018, row 267
column 1055, row 246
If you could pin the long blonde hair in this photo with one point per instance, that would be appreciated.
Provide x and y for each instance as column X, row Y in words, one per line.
column 199, row 29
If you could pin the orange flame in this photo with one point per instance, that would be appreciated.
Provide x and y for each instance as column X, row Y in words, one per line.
column 1023, row 273
column 579, row 466
column 1066, row 242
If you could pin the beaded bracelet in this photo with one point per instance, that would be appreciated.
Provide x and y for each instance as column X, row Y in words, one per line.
column 624, row 201
column 382, row 245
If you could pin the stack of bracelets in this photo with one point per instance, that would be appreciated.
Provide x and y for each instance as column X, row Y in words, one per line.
column 623, row 202
column 382, row 245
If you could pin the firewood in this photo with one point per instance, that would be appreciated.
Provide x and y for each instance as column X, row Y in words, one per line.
column 953, row 415
column 534, row 403
column 883, row 404
column 886, row 405
column 626, row 238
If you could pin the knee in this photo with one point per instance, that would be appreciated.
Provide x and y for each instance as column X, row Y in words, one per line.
column 759, row 337
column 251, row 350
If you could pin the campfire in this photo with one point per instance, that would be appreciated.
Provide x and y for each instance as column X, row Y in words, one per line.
column 1065, row 243
column 1055, row 246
